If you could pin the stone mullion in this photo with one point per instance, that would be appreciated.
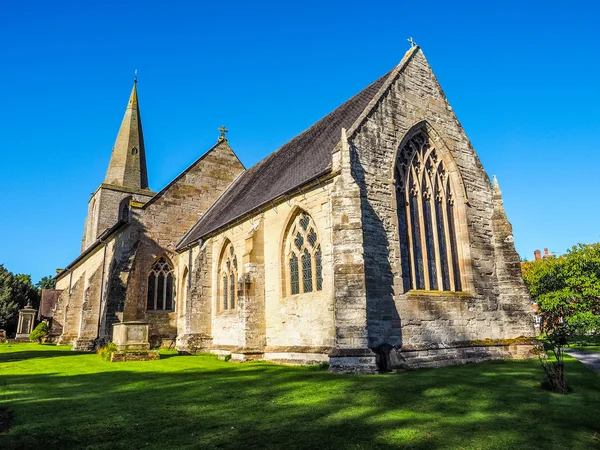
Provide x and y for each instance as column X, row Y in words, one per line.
column 422, row 232
column 434, row 232
column 155, row 291
column 411, row 250
column 164, row 298
column 448, row 242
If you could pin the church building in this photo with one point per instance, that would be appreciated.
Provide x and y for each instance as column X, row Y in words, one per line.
column 373, row 240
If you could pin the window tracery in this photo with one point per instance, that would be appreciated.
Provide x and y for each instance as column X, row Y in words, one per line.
column 161, row 292
column 227, row 288
column 426, row 219
column 303, row 257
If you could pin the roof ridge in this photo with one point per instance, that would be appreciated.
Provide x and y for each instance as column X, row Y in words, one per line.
column 384, row 87
column 301, row 159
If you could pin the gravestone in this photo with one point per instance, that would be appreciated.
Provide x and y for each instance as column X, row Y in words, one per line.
column 131, row 339
column 2, row 336
column 26, row 322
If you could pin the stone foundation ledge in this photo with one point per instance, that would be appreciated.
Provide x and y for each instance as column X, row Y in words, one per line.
column 193, row 343
column 439, row 357
column 358, row 361
column 142, row 355
column 83, row 345
column 295, row 359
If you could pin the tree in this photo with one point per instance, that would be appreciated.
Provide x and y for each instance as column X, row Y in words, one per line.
column 567, row 292
column 15, row 292
column 47, row 282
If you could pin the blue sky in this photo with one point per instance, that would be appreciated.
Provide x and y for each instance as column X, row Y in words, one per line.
column 522, row 78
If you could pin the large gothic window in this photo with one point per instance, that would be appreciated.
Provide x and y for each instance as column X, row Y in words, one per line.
column 303, row 257
column 426, row 218
column 227, row 279
column 161, row 284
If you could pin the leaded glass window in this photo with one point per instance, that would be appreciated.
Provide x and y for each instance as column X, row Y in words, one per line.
column 426, row 218
column 161, row 291
column 303, row 257
column 228, row 284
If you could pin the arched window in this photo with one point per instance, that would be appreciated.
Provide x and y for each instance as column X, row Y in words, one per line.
column 161, row 285
column 426, row 218
column 124, row 209
column 227, row 279
column 303, row 258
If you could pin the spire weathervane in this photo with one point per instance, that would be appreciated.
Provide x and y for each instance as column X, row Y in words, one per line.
column 135, row 76
column 223, row 131
column 412, row 43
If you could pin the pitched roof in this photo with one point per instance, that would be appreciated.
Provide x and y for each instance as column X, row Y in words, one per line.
column 304, row 158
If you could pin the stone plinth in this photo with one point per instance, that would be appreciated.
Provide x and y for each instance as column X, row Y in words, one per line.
column 26, row 322
column 131, row 339
column 131, row 336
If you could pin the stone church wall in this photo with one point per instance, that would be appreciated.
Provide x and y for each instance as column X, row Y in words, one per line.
column 284, row 327
column 424, row 320
column 165, row 219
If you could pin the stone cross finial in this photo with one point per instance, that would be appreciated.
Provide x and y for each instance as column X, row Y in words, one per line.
column 412, row 43
column 223, row 131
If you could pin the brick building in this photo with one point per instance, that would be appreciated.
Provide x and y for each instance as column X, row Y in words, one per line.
column 373, row 238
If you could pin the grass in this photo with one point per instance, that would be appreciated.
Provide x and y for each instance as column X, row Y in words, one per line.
column 63, row 399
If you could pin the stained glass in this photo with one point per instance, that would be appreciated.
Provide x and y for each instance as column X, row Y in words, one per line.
column 319, row 269
column 295, row 282
column 307, row 271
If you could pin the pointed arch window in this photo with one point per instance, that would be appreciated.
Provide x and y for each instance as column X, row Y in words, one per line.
column 303, row 257
column 228, row 277
column 161, row 286
column 426, row 219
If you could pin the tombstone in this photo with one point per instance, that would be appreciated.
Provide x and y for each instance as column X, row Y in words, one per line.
column 26, row 322
column 131, row 339
column 2, row 336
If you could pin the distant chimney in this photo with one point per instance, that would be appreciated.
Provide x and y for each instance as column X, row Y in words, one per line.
column 546, row 253
column 537, row 255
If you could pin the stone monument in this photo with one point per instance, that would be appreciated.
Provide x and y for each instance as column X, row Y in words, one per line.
column 131, row 339
column 26, row 322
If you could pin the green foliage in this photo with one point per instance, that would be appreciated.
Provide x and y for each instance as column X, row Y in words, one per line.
column 47, row 282
column 40, row 332
column 15, row 291
column 567, row 292
column 106, row 350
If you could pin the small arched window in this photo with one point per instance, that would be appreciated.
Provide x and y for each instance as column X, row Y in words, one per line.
column 228, row 279
column 161, row 286
column 303, row 257
column 124, row 209
column 426, row 218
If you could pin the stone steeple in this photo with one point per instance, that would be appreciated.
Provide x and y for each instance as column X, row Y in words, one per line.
column 127, row 167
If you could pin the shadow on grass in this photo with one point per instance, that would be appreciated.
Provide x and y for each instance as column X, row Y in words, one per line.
column 198, row 402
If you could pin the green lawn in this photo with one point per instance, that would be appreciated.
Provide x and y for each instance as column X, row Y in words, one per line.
column 62, row 399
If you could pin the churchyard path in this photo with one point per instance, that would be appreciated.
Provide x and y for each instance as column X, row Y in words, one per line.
column 590, row 359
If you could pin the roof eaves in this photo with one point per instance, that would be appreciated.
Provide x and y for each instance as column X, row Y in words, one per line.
column 101, row 239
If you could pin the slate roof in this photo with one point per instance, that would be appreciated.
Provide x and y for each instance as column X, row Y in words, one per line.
column 304, row 158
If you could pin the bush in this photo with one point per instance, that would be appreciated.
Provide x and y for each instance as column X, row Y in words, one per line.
column 39, row 333
column 106, row 351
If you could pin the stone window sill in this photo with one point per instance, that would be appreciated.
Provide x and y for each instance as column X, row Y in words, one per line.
column 423, row 293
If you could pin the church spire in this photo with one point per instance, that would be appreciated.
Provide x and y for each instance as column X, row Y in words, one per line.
column 127, row 167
